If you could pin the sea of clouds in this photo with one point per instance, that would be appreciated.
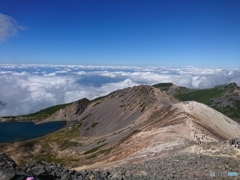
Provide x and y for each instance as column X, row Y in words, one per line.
column 28, row 88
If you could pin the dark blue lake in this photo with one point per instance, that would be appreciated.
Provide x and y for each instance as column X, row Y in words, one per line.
column 20, row 131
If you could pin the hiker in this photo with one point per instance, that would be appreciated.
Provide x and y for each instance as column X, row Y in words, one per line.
column 232, row 141
column 236, row 144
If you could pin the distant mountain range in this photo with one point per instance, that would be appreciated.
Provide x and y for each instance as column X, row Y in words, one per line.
column 225, row 98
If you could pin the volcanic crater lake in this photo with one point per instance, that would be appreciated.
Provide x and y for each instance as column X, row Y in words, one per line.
column 21, row 131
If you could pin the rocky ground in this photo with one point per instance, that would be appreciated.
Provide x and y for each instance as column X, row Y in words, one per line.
column 196, row 162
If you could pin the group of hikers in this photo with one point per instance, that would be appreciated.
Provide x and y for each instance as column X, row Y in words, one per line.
column 235, row 143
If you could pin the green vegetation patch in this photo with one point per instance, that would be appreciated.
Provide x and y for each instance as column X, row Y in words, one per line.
column 63, row 138
column 161, row 85
column 11, row 118
column 49, row 158
column 203, row 96
column 47, row 111
column 38, row 116
column 28, row 145
column 166, row 86
column 92, row 156
column 85, row 117
column 93, row 149
column 67, row 143
column 143, row 106
column 96, row 103
column 207, row 96
column 233, row 113
column 104, row 151
column 129, row 135
column 92, row 125
column 101, row 140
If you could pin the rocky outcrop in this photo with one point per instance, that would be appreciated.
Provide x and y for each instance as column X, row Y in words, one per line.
column 54, row 171
column 69, row 113
column 8, row 168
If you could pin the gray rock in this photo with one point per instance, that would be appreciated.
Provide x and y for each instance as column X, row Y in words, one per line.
column 116, row 177
column 65, row 176
column 38, row 170
column 6, row 174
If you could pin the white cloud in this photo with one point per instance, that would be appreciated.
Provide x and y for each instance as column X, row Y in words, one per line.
column 28, row 88
column 110, row 87
column 8, row 27
column 50, row 74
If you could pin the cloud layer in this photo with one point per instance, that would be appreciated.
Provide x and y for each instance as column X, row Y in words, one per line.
column 28, row 88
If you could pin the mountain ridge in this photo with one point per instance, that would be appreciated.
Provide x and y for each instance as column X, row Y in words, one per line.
column 129, row 125
column 227, row 102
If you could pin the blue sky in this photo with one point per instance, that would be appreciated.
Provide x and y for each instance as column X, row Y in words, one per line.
column 121, row 32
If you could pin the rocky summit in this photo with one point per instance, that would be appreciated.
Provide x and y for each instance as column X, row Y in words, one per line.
column 140, row 132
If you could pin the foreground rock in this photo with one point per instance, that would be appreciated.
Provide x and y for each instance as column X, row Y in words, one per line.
column 7, row 167
column 41, row 171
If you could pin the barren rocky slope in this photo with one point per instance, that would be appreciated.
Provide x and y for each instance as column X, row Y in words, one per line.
column 130, row 126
